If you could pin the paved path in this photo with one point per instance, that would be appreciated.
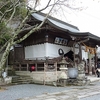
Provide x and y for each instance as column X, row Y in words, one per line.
column 28, row 90
column 83, row 93
column 41, row 92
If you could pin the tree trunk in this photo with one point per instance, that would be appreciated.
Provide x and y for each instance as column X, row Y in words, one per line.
column 12, row 40
column 5, row 55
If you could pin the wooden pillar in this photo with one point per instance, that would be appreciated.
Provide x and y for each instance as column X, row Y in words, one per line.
column 19, row 67
column 74, row 52
column 27, row 67
column 86, row 69
column 96, row 58
column 90, row 67
column 35, row 66
column 45, row 67
column 55, row 65
column 95, row 62
column 80, row 52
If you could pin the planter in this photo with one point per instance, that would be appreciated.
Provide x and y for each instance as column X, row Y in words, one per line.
column 72, row 72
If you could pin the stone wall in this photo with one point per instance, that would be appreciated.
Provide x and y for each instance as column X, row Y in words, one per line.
column 41, row 76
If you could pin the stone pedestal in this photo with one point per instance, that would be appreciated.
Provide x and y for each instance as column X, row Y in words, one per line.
column 63, row 74
column 8, row 80
column 82, row 80
column 81, row 72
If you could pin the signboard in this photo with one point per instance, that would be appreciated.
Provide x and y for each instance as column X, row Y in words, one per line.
column 61, row 41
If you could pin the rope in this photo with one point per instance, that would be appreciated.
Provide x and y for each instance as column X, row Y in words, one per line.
column 89, row 49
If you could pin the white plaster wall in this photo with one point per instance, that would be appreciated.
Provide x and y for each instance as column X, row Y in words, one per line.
column 41, row 51
column 35, row 51
column 44, row 50
column 52, row 49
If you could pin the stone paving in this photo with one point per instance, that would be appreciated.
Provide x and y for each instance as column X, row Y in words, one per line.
column 73, row 94
column 79, row 93
column 43, row 92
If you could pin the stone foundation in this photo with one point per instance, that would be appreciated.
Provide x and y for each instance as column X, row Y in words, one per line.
column 41, row 76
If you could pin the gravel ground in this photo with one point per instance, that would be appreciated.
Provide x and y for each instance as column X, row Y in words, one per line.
column 27, row 90
column 15, row 92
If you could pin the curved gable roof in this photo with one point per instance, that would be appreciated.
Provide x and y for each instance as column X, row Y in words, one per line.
column 40, row 16
column 68, row 28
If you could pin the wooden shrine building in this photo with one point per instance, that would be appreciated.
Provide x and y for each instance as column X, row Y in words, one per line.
column 44, row 45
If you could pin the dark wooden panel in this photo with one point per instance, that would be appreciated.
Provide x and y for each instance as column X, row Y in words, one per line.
column 18, row 54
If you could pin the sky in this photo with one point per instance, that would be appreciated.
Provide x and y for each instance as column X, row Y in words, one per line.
column 87, row 20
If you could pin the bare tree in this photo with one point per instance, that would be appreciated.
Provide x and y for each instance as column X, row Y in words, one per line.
column 9, row 12
column 12, row 41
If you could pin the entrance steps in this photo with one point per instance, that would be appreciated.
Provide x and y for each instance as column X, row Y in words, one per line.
column 22, row 79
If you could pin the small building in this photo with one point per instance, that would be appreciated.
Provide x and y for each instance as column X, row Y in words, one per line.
column 46, row 46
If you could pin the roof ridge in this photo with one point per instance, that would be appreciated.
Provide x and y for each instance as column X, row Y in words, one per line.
column 53, row 18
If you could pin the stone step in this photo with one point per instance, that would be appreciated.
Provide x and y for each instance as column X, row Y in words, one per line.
column 21, row 79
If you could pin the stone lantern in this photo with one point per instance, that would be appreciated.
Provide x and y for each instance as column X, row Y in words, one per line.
column 63, row 68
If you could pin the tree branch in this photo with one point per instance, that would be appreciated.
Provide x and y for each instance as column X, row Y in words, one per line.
column 6, row 3
column 34, row 29
column 35, row 11
column 3, row 47
column 13, row 6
